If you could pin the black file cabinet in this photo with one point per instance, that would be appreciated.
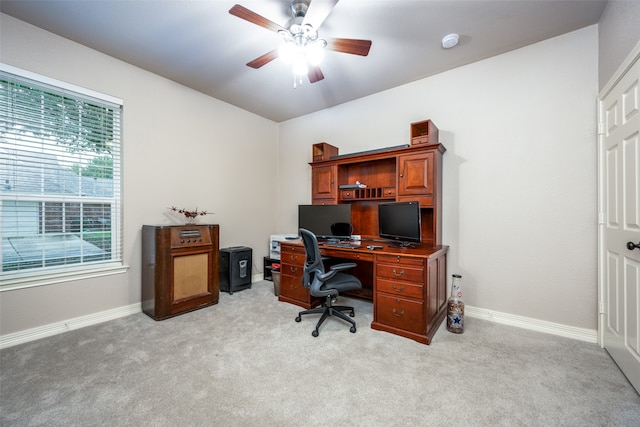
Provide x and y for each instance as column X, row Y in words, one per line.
column 235, row 268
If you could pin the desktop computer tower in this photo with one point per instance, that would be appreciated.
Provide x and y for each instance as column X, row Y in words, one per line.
column 235, row 268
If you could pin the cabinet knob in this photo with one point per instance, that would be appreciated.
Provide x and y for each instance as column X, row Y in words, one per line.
column 401, row 175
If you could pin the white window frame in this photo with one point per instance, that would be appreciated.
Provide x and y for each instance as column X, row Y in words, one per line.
column 11, row 280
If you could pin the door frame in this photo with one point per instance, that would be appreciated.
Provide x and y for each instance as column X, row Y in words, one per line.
column 625, row 66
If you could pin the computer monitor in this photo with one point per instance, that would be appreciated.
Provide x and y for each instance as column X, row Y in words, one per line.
column 400, row 221
column 326, row 221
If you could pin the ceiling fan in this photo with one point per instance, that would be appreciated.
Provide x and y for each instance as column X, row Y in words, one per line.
column 302, row 47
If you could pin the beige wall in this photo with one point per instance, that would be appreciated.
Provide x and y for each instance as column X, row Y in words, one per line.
column 180, row 148
column 618, row 33
column 519, row 178
column 519, row 171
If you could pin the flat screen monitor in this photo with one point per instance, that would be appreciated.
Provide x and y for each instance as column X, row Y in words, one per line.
column 400, row 221
column 326, row 221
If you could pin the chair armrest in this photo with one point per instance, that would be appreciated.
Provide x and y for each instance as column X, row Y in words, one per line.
column 334, row 269
column 344, row 266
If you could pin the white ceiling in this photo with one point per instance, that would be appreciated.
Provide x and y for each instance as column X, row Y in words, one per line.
column 200, row 45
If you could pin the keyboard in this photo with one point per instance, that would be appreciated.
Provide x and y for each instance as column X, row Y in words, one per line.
column 341, row 245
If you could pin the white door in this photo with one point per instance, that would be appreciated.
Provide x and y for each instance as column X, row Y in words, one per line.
column 619, row 259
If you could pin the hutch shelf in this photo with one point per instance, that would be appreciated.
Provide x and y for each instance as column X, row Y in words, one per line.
column 400, row 174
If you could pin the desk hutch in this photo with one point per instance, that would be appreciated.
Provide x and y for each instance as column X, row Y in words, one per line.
column 407, row 285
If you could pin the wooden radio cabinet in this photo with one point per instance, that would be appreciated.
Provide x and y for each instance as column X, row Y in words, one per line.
column 179, row 269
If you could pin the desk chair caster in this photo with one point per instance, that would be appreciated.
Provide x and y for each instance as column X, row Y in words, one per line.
column 330, row 310
column 315, row 332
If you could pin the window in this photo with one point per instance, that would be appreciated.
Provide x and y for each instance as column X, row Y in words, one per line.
column 60, row 198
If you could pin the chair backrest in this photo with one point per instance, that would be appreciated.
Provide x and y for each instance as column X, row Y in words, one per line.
column 341, row 229
column 313, row 263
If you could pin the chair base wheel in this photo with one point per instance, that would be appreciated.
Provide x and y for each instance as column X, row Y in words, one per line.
column 352, row 329
column 314, row 333
column 298, row 319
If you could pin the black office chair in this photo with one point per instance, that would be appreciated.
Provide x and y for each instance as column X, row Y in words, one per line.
column 326, row 284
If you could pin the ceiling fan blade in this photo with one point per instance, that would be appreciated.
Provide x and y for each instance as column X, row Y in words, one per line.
column 248, row 15
column 352, row 46
column 318, row 12
column 314, row 74
column 264, row 59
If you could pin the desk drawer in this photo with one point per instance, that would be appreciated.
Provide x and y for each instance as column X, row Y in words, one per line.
column 402, row 272
column 292, row 255
column 292, row 270
column 403, row 289
column 347, row 254
column 291, row 287
column 400, row 313
column 397, row 259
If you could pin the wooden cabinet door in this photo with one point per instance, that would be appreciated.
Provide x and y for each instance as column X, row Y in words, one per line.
column 416, row 177
column 324, row 187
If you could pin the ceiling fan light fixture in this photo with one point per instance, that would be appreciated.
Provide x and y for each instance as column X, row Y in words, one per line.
column 287, row 52
column 300, row 65
column 315, row 52
column 301, row 47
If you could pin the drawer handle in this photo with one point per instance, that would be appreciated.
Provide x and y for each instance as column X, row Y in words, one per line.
column 396, row 273
column 395, row 288
column 395, row 313
column 294, row 257
column 293, row 269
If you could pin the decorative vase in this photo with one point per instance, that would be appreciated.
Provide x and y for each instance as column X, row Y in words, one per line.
column 455, row 306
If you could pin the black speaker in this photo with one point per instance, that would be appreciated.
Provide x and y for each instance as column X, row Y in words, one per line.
column 235, row 268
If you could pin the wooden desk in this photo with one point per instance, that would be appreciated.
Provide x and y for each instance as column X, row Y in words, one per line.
column 407, row 285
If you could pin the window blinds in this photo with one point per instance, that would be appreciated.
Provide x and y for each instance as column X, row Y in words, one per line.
column 60, row 176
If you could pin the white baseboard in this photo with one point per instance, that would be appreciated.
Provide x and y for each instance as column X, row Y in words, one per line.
column 582, row 334
column 21, row 337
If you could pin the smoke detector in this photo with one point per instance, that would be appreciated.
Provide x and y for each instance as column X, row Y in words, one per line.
column 450, row 40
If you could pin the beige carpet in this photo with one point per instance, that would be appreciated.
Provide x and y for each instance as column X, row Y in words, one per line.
column 246, row 362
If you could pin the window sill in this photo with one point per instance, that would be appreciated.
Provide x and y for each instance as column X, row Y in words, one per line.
column 14, row 283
